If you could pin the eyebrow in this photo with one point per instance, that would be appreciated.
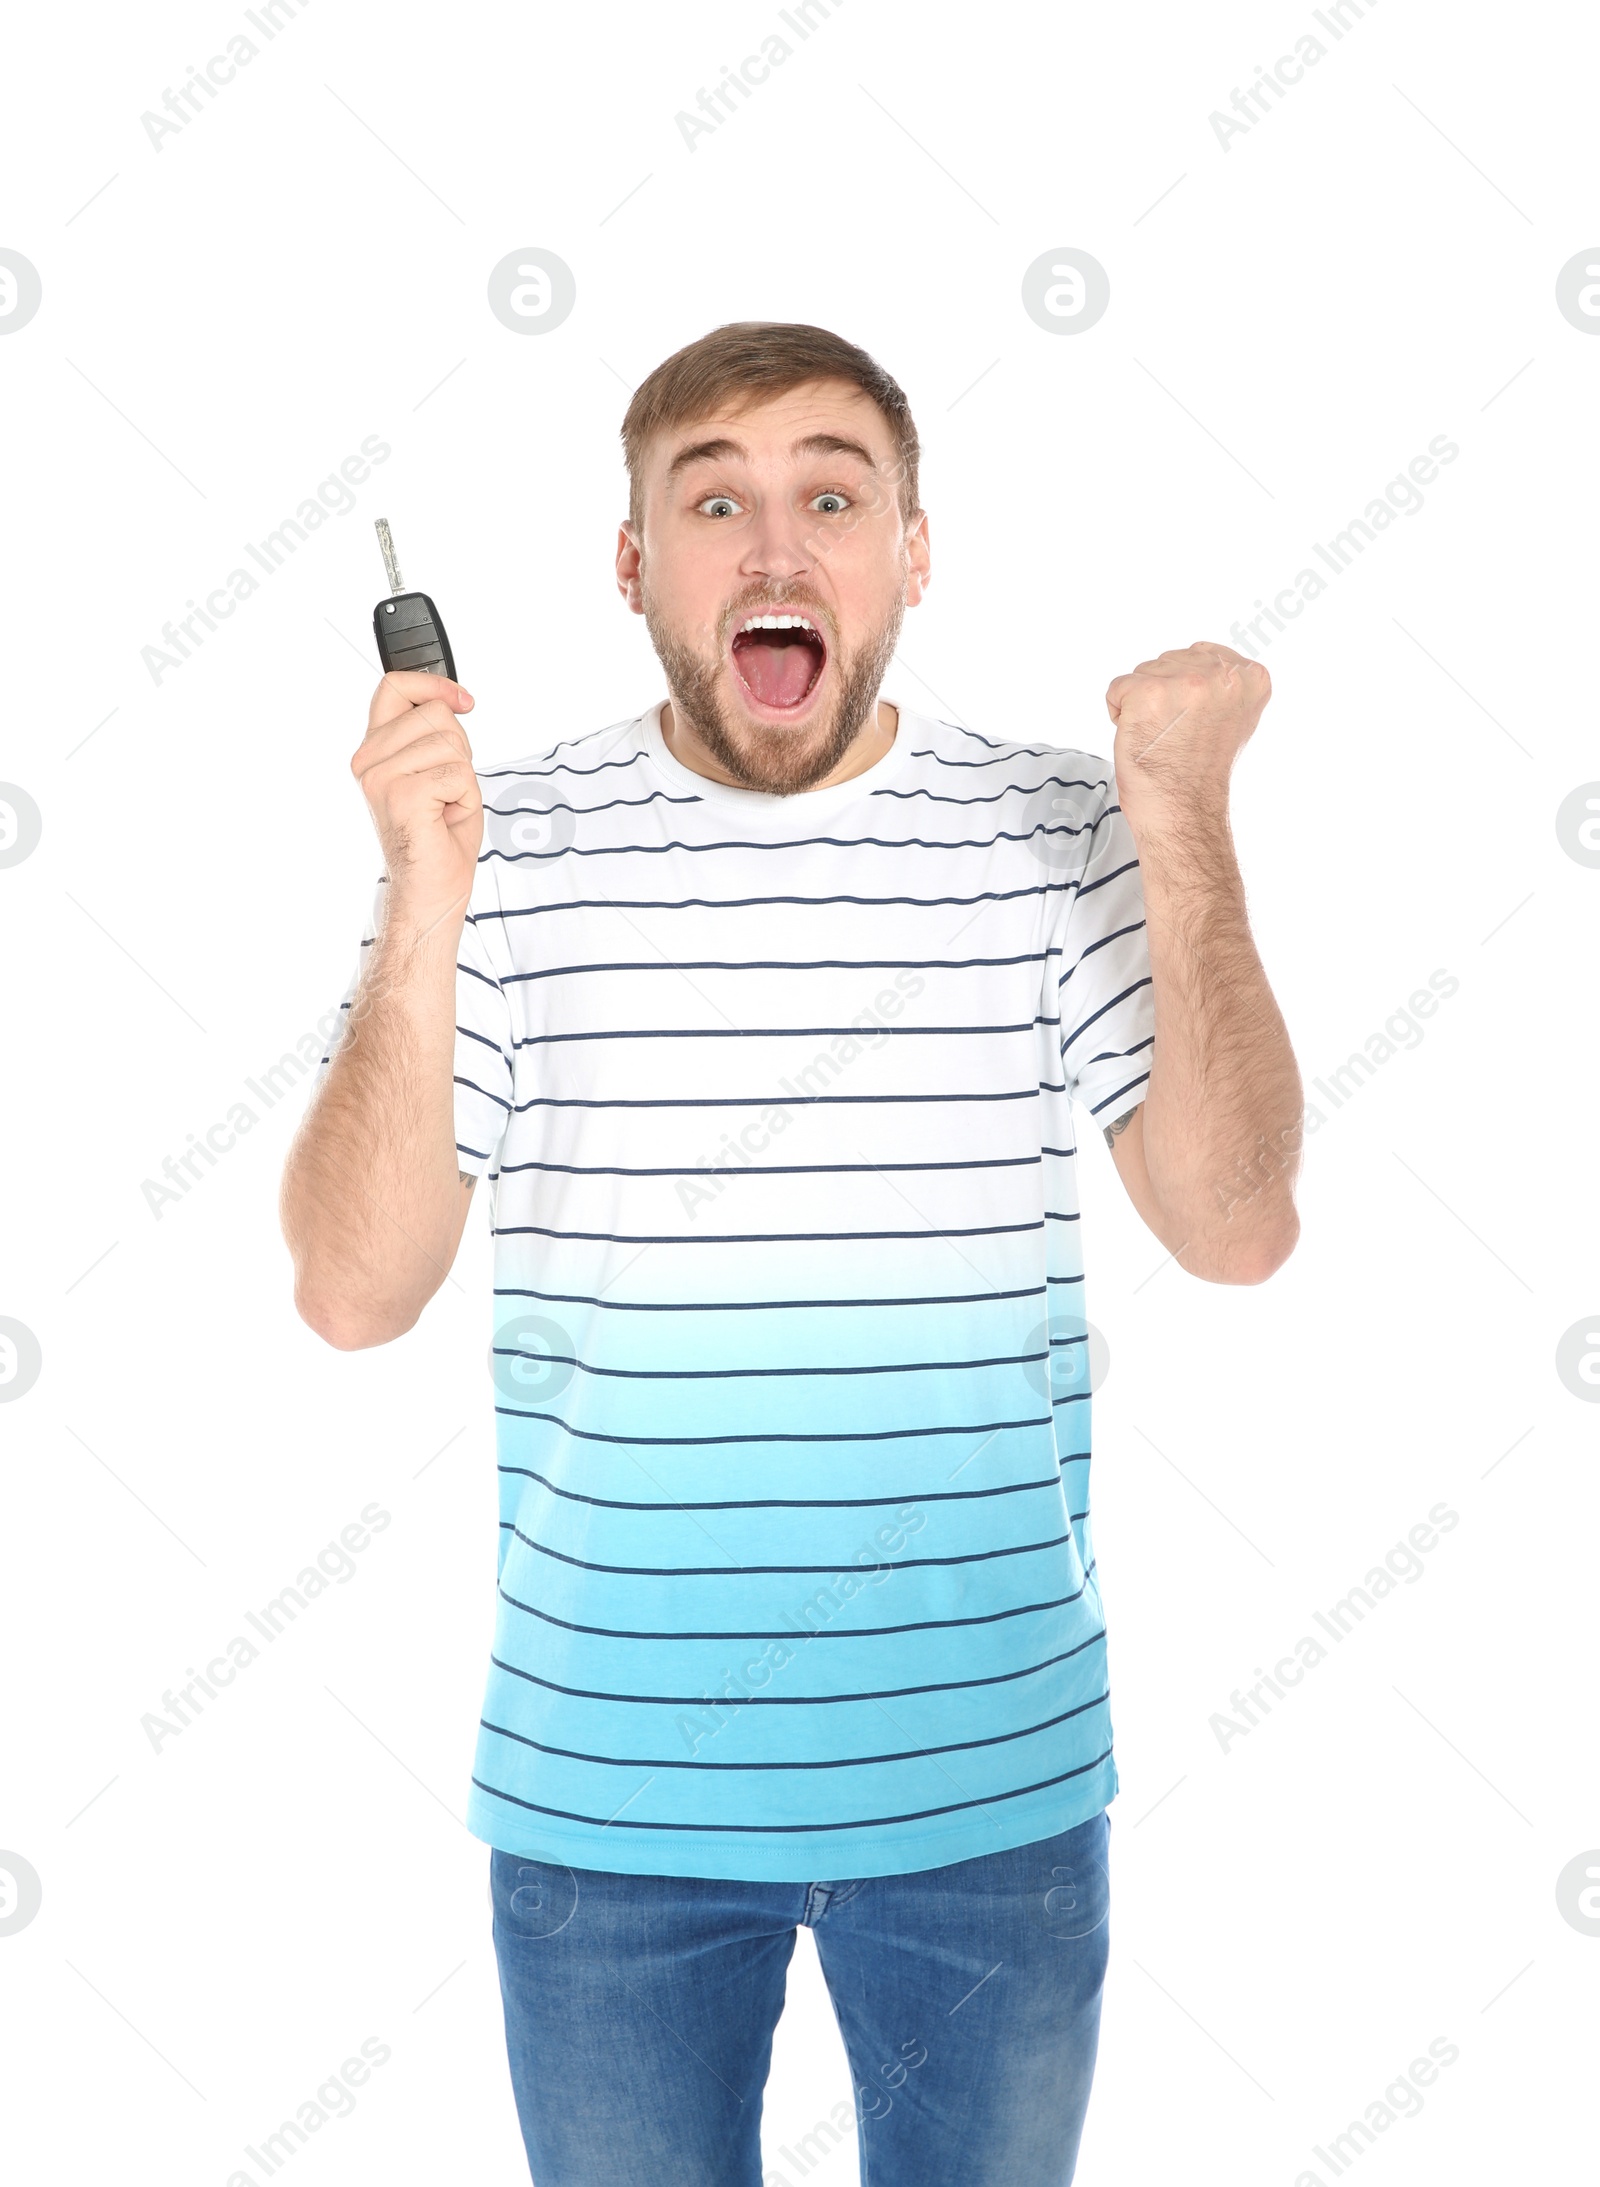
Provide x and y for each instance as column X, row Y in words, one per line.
column 814, row 444
column 830, row 444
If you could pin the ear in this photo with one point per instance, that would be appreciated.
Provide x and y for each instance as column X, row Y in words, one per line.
column 918, row 555
column 629, row 563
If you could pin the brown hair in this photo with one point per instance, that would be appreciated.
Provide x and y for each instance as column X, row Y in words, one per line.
column 753, row 359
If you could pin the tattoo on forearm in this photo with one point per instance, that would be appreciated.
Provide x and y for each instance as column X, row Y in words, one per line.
column 467, row 1178
column 1121, row 1124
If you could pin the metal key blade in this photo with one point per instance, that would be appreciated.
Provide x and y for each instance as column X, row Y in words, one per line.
column 386, row 541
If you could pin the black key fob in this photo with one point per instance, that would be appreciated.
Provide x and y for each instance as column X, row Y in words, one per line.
column 411, row 635
column 407, row 625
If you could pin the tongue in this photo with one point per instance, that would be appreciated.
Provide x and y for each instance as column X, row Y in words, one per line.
column 777, row 674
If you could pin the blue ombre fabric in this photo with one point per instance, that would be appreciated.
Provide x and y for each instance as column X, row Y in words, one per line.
column 775, row 1096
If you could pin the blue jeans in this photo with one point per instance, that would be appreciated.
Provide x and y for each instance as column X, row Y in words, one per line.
column 640, row 2009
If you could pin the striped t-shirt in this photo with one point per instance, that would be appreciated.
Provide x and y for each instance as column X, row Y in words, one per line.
column 774, row 1095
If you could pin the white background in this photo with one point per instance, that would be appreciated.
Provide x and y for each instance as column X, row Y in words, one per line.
column 225, row 318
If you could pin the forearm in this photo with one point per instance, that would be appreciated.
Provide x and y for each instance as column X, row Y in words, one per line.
column 1221, row 1121
column 373, row 1204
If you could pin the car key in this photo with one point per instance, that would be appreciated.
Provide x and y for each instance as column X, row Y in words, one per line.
column 407, row 626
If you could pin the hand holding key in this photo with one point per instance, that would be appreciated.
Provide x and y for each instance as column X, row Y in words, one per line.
column 415, row 770
column 416, row 764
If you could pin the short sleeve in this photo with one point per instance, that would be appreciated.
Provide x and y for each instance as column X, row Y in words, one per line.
column 485, row 1057
column 1103, row 971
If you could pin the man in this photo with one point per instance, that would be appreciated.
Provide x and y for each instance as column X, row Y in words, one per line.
column 765, row 1013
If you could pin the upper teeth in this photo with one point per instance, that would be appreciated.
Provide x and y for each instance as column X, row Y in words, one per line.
column 778, row 622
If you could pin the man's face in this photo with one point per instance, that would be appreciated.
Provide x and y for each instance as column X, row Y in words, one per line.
column 789, row 509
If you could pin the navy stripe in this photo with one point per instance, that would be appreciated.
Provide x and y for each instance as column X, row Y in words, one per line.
column 1005, row 745
column 773, row 1032
column 536, row 774
column 768, row 1169
column 778, row 964
column 747, row 903
column 1136, row 926
column 685, row 1442
column 790, row 1503
column 864, row 1822
column 509, row 1526
column 466, row 1033
column 1121, row 1094
column 742, row 1571
column 765, row 1306
column 471, row 972
column 721, row 1374
column 632, row 804
column 820, row 1632
column 1012, row 789
column 770, row 1101
column 1095, row 1016
column 472, row 1086
column 785, row 843
column 1089, row 888
column 1002, row 752
column 802, row 1700
column 753, row 1237
column 841, row 1761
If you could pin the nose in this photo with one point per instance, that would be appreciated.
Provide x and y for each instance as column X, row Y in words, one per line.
column 777, row 548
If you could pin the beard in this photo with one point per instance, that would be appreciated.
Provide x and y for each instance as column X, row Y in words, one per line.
column 757, row 755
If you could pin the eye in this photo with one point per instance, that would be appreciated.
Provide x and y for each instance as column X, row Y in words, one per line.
column 840, row 504
column 719, row 505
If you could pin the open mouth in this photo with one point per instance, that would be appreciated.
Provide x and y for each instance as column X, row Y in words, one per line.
column 778, row 658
